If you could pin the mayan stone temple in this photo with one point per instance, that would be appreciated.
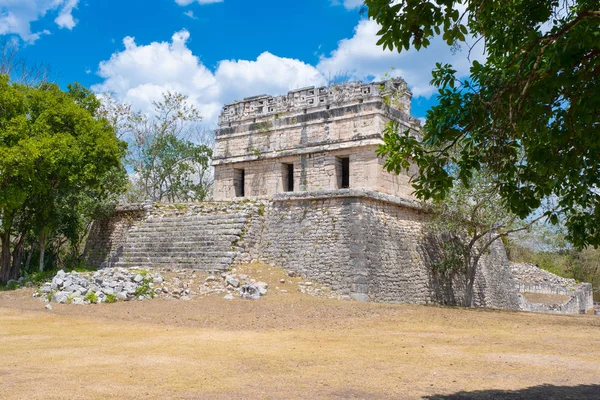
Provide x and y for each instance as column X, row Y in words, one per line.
column 298, row 185
column 311, row 139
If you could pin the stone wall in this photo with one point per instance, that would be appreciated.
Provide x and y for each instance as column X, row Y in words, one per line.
column 566, row 296
column 264, row 107
column 205, row 236
column 372, row 246
column 361, row 243
column 107, row 236
column 345, row 121
column 312, row 172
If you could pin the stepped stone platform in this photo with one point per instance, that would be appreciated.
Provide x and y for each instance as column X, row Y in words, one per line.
column 204, row 236
column 366, row 245
column 360, row 243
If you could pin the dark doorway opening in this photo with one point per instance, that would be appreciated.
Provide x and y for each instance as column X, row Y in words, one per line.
column 343, row 168
column 288, row 178
column 239, row 182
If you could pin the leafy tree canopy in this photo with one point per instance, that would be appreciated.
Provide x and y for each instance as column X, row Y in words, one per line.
column 58, row 162
column 530, row 114
column 169, row 154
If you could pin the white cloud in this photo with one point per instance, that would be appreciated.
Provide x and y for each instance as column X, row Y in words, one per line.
column 188, row 2
column 140, row 74
column 65, row 17
column 16, row 16
column 268, row 74
column 190, row 14
column 361, row 58
column 348, row 4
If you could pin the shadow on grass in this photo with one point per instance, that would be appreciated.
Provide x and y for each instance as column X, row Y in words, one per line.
column 546, row 392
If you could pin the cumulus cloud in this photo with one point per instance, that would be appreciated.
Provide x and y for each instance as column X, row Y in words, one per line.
column 65, row 17
column 16, row 16
column 361, row 58
column 188, row 2
column 268, row 74
column 139, row 74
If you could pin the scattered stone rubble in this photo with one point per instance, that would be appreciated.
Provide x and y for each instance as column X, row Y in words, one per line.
column 542, row 291
column 126, row 284
column 107, row 285
column 529, row 273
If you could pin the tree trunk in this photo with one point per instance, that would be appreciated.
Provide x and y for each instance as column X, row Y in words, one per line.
column 470, row 286
column 42, row 249
column 17, row 256
column 28, row 260
column 5, row 265
column 471, row 273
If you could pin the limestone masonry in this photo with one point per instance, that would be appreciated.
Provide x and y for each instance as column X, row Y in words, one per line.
column 312, row 139
column 298, row 185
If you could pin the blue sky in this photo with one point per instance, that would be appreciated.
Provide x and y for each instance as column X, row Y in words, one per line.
column 213, row 51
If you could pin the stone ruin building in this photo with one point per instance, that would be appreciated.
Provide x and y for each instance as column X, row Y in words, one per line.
column 298, row 184
column 311, row 139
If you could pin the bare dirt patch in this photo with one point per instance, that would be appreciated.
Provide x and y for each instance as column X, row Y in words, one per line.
column 288, row 345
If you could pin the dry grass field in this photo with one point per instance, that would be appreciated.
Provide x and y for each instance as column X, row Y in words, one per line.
column 291, row 346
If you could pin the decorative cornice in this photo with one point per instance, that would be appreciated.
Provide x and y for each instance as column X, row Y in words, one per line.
column 297, row 101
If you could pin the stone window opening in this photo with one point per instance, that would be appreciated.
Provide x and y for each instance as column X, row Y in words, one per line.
column 239, row 182
column 288, row 177
column 343, row 172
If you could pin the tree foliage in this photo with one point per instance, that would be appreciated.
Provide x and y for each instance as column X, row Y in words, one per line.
column 530, row 114
column 469, row 221
column 59, row 162
column 170, row 161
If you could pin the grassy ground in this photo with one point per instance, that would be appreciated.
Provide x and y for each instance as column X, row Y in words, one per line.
column 290, row 346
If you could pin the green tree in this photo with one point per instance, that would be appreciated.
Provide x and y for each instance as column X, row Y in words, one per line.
column 170, row 160
column 467, row 223
column 54, row 150
column 530, row 114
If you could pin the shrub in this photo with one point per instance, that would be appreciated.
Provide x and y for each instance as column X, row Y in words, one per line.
column 38, row 277
column 91, row 297
column 144, row 289
column 12, row 285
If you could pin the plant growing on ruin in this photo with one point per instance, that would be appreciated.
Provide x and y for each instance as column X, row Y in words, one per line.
column 144, row 288
column 256, row 152
column 529, row 113
column 467, row 223
column 12, row 285
column 390, row 94
column 91, row 297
